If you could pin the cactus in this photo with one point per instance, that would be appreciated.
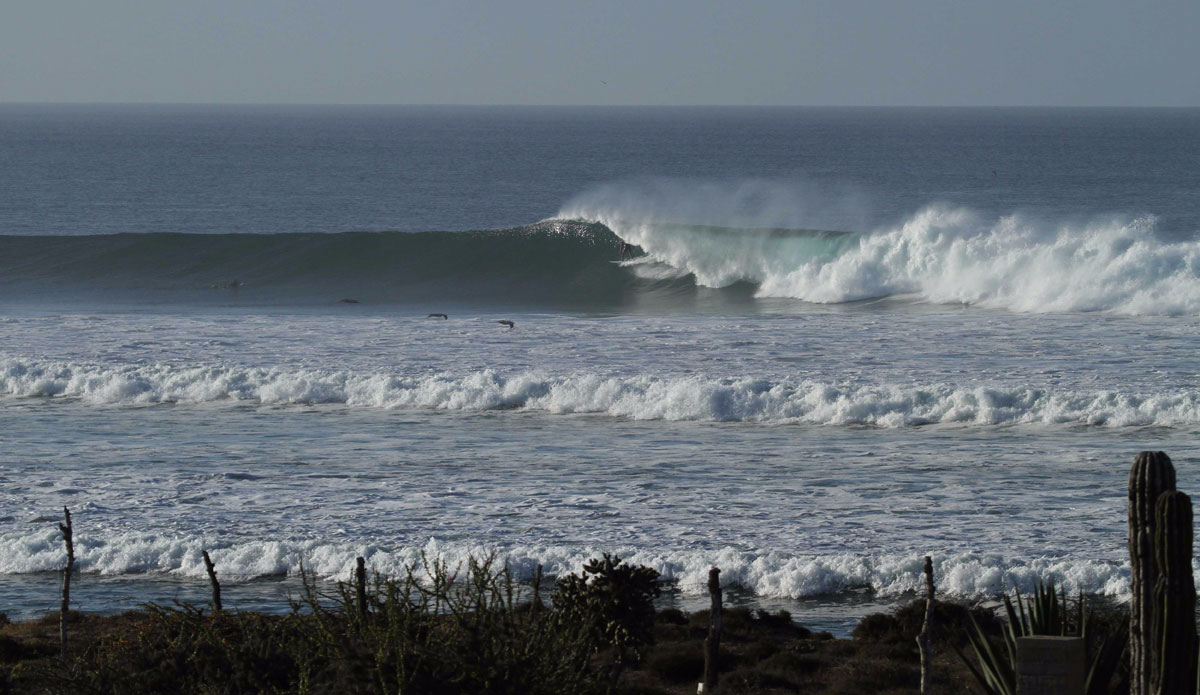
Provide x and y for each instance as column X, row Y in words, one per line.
column 1151, row 475
column 1174, row 597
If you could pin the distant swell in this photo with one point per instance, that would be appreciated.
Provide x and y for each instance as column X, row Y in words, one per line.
column 642, row 397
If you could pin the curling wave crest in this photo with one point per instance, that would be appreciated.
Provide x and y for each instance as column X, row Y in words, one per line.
column 941, row 254
column 639, row 397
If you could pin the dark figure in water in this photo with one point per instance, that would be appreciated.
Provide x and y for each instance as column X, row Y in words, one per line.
column 626, row 249
column 437, row 316
column 504, row 322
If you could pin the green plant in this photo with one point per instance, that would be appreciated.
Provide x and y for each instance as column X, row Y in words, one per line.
column 1047, row 613
column 435, row 629
column 615, row 601
column 460, row 630
column 1174, row 597
column 1151, row 475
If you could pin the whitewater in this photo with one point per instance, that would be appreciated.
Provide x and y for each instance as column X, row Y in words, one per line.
column 812, row 366
column 812, row 456
column 940, row 255
column 638, row 398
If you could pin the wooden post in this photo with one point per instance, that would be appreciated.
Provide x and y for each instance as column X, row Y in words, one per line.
column 212, row 579
column 66, row 582
column 712, row 644
column 360, row 574
column 925, row 639
column 537, row 592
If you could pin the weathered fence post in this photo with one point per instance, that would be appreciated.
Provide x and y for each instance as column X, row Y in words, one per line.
column 360, row 576
column 925, row 638
column 712, row 644
column 1174, row 598
column 537, row 592
column 212, row 579
column 1151, row 475
column 66, row 582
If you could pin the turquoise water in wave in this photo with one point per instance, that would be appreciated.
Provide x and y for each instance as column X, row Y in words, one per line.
column 845, row 339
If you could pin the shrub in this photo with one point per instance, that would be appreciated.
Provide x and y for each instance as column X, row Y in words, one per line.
column 460, row 632
column 952, row 623
column 615, row 602
column 677, row 663
column 878, row 627
column 671, row 616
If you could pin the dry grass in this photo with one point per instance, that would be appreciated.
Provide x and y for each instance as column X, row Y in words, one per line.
column 761, row 653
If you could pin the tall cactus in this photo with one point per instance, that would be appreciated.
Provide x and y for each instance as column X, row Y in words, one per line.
column 1151, row 475
column 1174, row 597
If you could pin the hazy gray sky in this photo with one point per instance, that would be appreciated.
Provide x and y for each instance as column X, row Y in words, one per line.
column 840, row 52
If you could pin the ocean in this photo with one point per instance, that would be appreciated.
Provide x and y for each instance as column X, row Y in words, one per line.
column 808, row 346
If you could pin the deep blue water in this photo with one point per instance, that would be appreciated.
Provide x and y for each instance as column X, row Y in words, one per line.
column 243, row 169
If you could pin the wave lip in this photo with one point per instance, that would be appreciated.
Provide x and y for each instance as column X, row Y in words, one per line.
column 639, row 397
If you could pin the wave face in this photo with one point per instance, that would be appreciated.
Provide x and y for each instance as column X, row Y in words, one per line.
column 941, row 254
column 633, row 397
column 560, row 261
column 555, row 262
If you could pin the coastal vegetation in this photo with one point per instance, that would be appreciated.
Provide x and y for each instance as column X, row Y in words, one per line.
column 477, row 629
column 1105, row 635
column 478, row 643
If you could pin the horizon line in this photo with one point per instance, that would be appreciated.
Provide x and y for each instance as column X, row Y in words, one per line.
column 600, row 106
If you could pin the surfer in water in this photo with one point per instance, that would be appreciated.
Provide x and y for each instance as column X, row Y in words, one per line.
column 626, row 248
column 505, row 322
column 437, row 316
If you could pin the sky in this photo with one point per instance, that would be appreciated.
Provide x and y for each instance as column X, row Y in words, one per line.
column 768, row 52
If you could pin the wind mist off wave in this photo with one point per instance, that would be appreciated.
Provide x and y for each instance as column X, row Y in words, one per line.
column 639, row 397
column 941, row 255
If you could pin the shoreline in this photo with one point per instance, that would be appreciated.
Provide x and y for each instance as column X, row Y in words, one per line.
column 28, row 597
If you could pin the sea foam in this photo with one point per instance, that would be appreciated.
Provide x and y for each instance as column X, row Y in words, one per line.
column 940, row 254
column 769, row 574
column 637, row 397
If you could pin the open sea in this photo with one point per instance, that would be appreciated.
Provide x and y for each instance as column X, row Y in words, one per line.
column 838, row 340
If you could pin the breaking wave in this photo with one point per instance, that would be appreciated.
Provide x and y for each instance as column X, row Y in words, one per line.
column 686, row 240
column 766, row 574
column 639, row 397
column 940, row 254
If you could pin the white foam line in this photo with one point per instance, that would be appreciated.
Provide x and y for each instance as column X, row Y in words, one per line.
column 941, row 254
column 767, row 574
column 639, row 397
